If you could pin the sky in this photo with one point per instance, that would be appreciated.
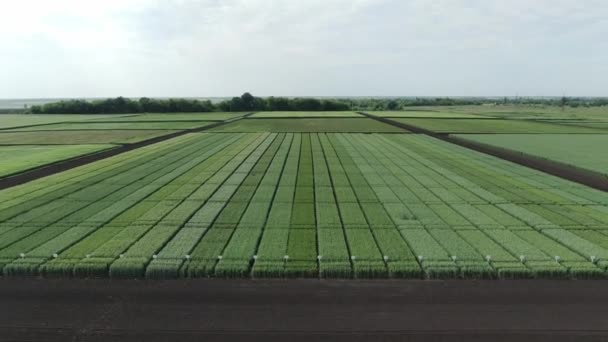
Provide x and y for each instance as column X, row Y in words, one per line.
column 104, row 48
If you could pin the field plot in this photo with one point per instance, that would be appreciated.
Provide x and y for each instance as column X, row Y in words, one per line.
column 130, row 125
column 21, row 158
column 598, row 124
column 330, row 205
column 305, row 114
column 211, row 116
column 586, row 151
column 78, row 137
column 423, row 114
column 489, row 125
column 308, row 125
column 19, row 120
column 534, row 112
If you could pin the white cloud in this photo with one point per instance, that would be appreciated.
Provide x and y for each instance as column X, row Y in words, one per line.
column 308, row 47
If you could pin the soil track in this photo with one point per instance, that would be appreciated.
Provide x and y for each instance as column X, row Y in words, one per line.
column 576, row 174
column 302, row 310
column 53, row 168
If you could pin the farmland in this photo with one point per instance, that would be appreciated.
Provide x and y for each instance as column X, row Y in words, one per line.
column 129, row 125
column 79, row 137
column 308, row 124
column 305, row 114
column 29, row 142
column 306, row 197
column 586, row 151
column 21, row 158
column 497, row 126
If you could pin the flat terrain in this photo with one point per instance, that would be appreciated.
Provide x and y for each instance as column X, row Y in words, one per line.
column 129, row 125
column 40, row 142
column 21, row 158
column 19, row 120
column 216, row 310
column 304, row 114
column 304, row 205
column 587, row 151
column 172, row 117
column 424, row 114
column 308, row 197
column 335, row 202
column 487, row 125
column 308, row 125
column 78, row 137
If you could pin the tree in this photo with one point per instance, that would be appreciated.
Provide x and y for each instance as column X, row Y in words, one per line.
column 247, row 101
column 392, row 105
column 563, row 102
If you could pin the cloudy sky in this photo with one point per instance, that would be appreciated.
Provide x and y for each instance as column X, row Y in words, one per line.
column 99, row 48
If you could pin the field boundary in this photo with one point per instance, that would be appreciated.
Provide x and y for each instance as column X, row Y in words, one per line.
column 64, row 165
column 572, row 173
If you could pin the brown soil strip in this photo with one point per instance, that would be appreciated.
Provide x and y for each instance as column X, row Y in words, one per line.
column 572, row 173
column 64, row 165
column 302, row 310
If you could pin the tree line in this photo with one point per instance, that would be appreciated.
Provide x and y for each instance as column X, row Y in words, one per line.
column 248, row 102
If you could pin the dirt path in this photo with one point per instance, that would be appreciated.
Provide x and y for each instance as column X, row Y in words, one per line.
column 302, row 310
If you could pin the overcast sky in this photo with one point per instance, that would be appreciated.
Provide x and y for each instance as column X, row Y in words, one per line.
column 99, row 48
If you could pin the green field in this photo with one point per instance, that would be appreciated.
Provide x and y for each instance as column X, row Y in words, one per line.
column 303, row 205
column 18, row 120
column 78, row 137
column 431, row 113
column 308, row 125
column 493, row 126
column 212, row 116
column 166, row 125
column 306, row 198
column 537, row 112
column 17, row 159
column 586, row 151
column 304, row 114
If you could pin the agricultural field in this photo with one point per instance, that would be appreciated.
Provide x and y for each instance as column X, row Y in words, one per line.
column 430, row 113
column 78, row 137
column 129, row 125
column 496, row 126
column 211, row 116
column 305, row 114
column 304, row 198
column 586, row 151
column 21, row 158
column 21, row 120
column 528, row 112
column 294, row 125
column 33, row 141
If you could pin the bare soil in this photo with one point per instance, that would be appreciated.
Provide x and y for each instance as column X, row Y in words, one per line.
column 302, row 310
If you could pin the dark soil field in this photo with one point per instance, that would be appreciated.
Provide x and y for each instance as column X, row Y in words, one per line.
column 302, row 310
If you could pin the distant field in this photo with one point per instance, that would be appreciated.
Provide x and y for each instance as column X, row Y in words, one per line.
column 173, row 117
column 421, row 114
column 581, row 123
column 167, row 125
column 17, row 159
column 18, row 120
column 78, row 137
column 529, row 111
column 308, row 125
column 493, row 126
column 587, row 151
column 304, row 114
